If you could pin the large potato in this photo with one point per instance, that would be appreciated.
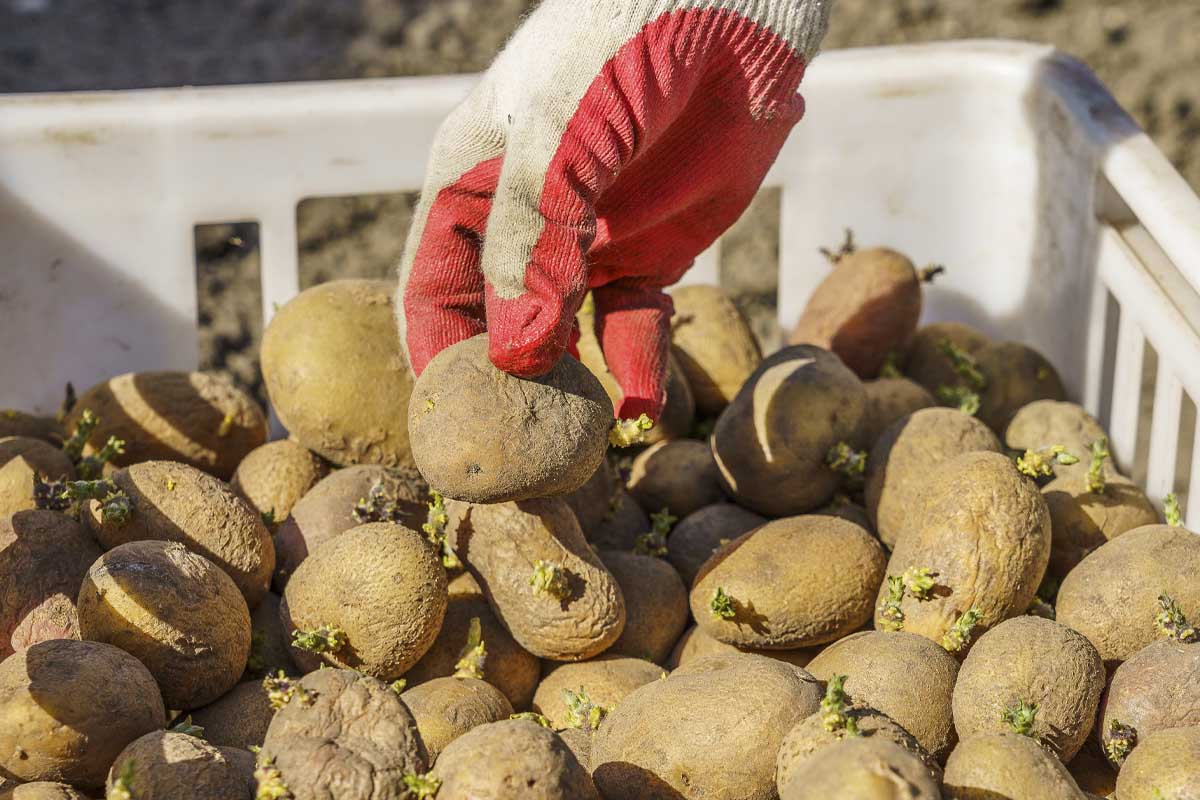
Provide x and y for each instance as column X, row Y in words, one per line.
column 864, row 769
column 164, row 766
column 274, row 476
column 889, row 399
column 606, row 680
column 1010, row 766
column 332, row 364
column 196, row 418
column 446, row 708
column 656, row 605
column 1157, row 688
column 238, row 718
column 700, row 534
column 772, row 441
column 714, row 345
column 68, row 707
column 679, row 476
column 794, row 582
column 695, row 644
column 1164, row 765
column 22, row 462
column 382, row 586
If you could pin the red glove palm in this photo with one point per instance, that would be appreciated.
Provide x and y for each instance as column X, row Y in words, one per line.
column 609, row 144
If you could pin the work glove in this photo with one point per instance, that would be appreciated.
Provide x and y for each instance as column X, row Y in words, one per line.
column 609, row 144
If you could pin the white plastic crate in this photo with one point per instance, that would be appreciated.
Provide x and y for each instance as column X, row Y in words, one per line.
column 1061, row 224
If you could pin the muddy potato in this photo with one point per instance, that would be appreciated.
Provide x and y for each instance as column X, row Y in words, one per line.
column 1157, row 688
column 1007, row 765
column 163, row 764
column 700, row 534
column 43, row 558
column 40, row 790
column 238, row 718
column 1016, row 375
column 446, row 708
column 68, row 707
column 714, row 345
column 772, row 441
column 1163, row 765
column 620, row 526
column 592, row 502
column 274, row 476
column 871, row 768
column 656, row 605
column 20, row 423
column 905, row 459
column 928, row 365
column 1081, row 520
column 794, row 582
column 22, row 461
column 1112, row 596
column 270, row 649
column 679, row 476
column 382, row 586
column 606, row 680
column 890, row 399
column 905, row 676
column 196, row 418
column 696, row 644
column 672, row 737
column 174, row 610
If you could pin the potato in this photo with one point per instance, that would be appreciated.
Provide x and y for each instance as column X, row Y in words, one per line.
column 656, row 605
column 592, row 502
column 905, row 676
column 843, row 507
column 865, row 769
column 865, row 308
column 772, row 442
column 714, row 345
column 579, row 742
column 41, row 790
column 382, row 586
column 794, row 582
column 1163, row 765
column 1112, row 596
column 696, row 644
column 1030, row 660
column 332, row 364
column 621, row 525
column 700, row 534
column 196, row 418
column 177, row 503
column 164, row 765
column 68, row 707
column 928, row 365
column 679, row 476
column 1016, row 375
column 35, row 426
column 606, row 680
column 671, row 738
column 446, row 708
column 1157, row 688
column 238, row 718
column 176, row 611
column 1046, row 422
column 245, row 763
column 514, row 759
column 906, row 458
column 274, row 476
column 22, row 460
column 889, row 399
column 270, row 649
column 484, row 436
column 546, row 585
column 43, row 558
column 1082, row 520
column 1007, row 765
column 983, row 532
column 1091, row 770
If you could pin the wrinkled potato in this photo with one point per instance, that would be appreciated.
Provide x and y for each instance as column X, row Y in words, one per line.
column 270, row 649
column 1007, row 765
column 333, row 368
column 700, row 534
column 514, row 759
column 238, row 718
column 274, row 476
column 164, row 765
column 890, row 399
column 620, row 526
column 1030, row 660
column 1081, row 520
column 695, row 644
column 546, row 585
column 713, row 344
column 22, row 461
column 176, row 611
column 606, row 680
column 68, row 707
column 1017, row 375
column 176, row 503
column 382, row 586
column 679, row 476
column 1112, row 596
column 1163, row 765
column 656, row 605
column 794, row 582
column 446, row 708
column 928, row 365
column 1157, row 688
column 34, row 426
column 43, row 558
column 771, row 443
column 872, row 768
column 906, row 458
column 671, row 738
column 905, row 676
column 983, row 532
column 196, row 418
column 40, row 790
column 484, row 436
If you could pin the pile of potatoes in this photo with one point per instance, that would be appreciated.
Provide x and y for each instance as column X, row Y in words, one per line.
column 887, row 562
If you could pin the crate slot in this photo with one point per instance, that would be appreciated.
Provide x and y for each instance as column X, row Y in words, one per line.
column 229, row 311
column 352, row 236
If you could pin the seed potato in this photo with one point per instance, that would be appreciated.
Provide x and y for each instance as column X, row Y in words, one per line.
column 579, row 742
column 1046, row 422
column 1163, row 765
column 679, row 476
column 713, row 344
column 35, row 426
column 1081, row 520
column 164, row 765
column 239, row 718
column 871, row 768
column 1007, row 765
column 621, row 524
column 606, row 680
column 928, row 365
column 446, row 708
column 656, row 605
column 1157, row 688
column 890, row 399
column 22, row 461
column 274, row 476
column 700, row 534
column 1017, row 375
column 695, row 644
column 41, row 790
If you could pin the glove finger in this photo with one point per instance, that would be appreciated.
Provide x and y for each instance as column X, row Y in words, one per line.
column 634, row 330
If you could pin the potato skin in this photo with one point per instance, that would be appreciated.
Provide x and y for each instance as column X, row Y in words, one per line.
column 446, row 708
column 872, row 768
column 643, row 751
column 40, row 790
column 889, row 399
column 1033, row 660
column 1111, row 597
column 382, row 585
column 606, row 679
column 274, row 476
column 43, row 558
column 697, row 536
column 1017, row 375
column 1081, row 520
column 1157, row 688
column 620, row 526
column 169, row 765
column 679, row 476
column 579, row 742
column 713, row 344
column 656, row 605
column 22, row 459
column 484, row 436
column 591, row 502
column 1164, row 761
column 695, row 644
column 42, row 715
column 197, row 418
column 239, row 718
column 176, row 611
column 499, row 544
column 1007, row 765
column 795, row 582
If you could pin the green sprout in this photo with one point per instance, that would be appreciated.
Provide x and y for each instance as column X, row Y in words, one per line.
column 654, row 542
column 115, row 505
column 1020, row 718
column 122, row 788
column 92, row 466
column 377, row 506
column 960, row 397
column 188, row 728
column 258, row 642
column 891, row 615
column 422, row 786
column 919, row 582
column 325, row 639
column 429, row 404
column 959, row 635
column 929, row 274
column 844, row 459
column 225, row 427
column 1040, row 463
column 268, row 518
column 435, row 531
column 74, row 445
column 1119, row 740
column 269, row 780
column 1095, row 474
column 1171, row 510
column 721, row 605
column 628, row 432
column 833, row 709
column 1171, row 622
column 534, row 716
column 889, row 368
column 280, row 689
column 964, row 365
column 834, row 256
column 549, row 579
column 50, row 495
column 399, row 685
column 582, row 713
column 474, row 654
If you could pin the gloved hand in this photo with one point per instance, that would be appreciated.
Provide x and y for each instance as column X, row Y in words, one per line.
column 609, row 144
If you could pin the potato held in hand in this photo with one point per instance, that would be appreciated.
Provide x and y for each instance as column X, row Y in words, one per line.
column 484, row 436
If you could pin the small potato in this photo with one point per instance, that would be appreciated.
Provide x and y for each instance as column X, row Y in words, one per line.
column 164, row 765
column 700, row 534
column 1157, row 688
column 382, row 586
column 679, row 476
column 1030, row 660
column 865, row 769
column 34, row 426
column 1112, row 596
column 794, row 582
column 1163, row 765
column 696, row 644
column 1007, row 765
column 22, row 461
column 546, row 585
column 656, row 605
column 771, row 443
column 176, row 611
column 484, row 436
column 1081, row 520
column 43, row 558
column 446, row 708
column 889, row 399
column 714, row 345
column 270, row 649
column 238, row 718
column 928, row 365
column 606, row 680
column 515, row 759
column 1016, row 375
column 905, row 676
column 40, row 790
column 620, row 526
column 672, row 738
column 274, row 476
column 196, row 418
column 67, row 708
